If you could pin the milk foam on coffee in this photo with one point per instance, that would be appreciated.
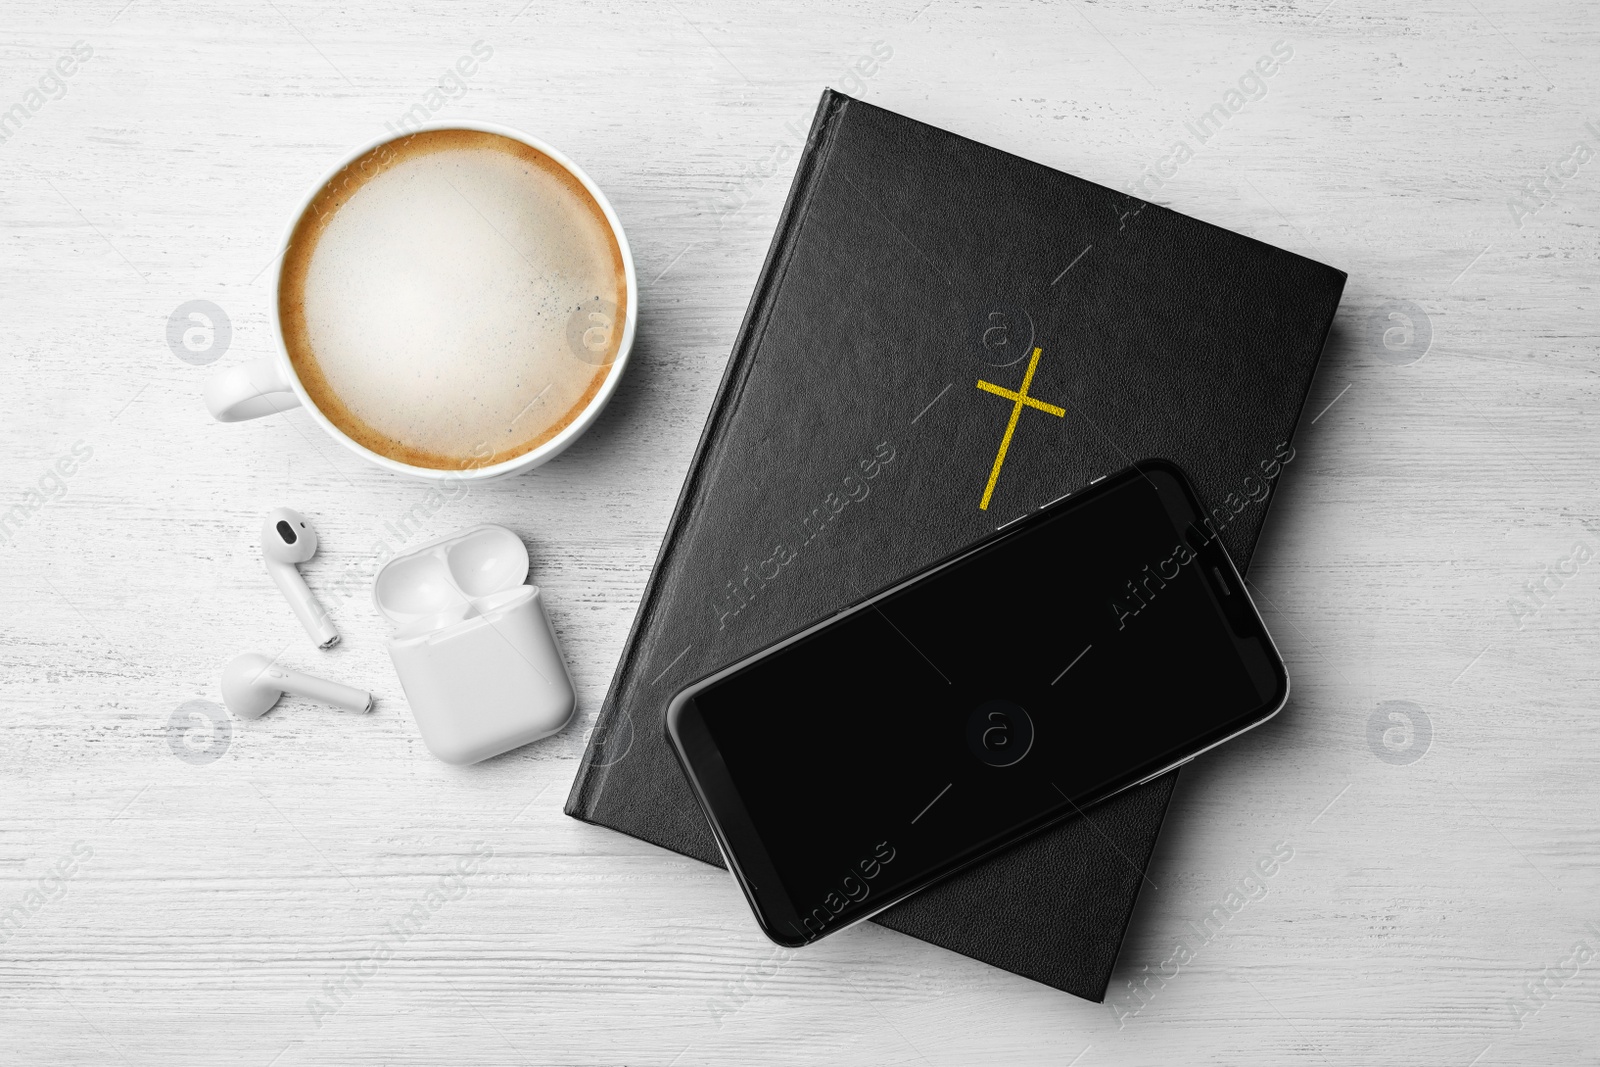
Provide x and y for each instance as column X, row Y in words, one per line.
column 452, row 299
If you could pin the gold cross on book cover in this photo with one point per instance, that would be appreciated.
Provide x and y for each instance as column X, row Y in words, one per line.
column 1020, row 400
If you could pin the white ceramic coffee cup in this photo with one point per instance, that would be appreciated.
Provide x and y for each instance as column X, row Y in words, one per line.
column 268, row 385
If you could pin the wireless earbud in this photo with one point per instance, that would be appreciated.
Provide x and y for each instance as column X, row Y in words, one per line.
column 286, row 540
column 252, row 683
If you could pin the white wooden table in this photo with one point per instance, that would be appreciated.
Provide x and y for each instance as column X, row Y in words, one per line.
column 177, row 908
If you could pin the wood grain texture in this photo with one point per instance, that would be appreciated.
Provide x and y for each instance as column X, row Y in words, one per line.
column 211, row 903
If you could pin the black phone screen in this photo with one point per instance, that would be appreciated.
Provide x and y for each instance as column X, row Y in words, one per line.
column 1097, row 643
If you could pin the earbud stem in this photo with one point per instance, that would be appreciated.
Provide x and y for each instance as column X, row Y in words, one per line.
column 326, row 692
column 307, row 609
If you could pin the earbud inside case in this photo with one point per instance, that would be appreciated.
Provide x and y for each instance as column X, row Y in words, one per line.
column 476, row 656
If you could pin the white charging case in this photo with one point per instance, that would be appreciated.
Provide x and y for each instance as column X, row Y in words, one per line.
column 475, row 653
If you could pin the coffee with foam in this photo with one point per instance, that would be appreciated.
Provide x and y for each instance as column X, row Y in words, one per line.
column 452, row 299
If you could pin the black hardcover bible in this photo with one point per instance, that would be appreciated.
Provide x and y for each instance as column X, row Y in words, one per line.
column 943, row 338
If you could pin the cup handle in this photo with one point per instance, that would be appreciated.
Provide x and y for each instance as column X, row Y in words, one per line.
column 249, row 390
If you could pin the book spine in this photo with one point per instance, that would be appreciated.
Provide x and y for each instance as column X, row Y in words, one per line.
column 593, row 773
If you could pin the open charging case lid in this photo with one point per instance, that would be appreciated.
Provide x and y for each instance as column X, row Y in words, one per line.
column 450, row 579
column 474, row 649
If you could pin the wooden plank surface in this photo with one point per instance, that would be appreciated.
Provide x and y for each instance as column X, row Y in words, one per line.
column 1444, row 910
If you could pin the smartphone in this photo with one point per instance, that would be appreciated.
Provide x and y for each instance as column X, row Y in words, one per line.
column 1093, row 645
